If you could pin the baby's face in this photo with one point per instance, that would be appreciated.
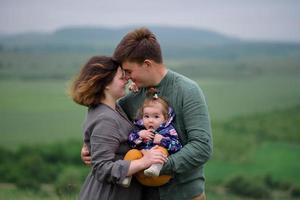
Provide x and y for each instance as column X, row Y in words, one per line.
column 153, row 117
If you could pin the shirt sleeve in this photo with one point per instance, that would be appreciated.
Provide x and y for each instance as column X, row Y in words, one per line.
column 198, row 147
column 104, row 145
column 134, row 139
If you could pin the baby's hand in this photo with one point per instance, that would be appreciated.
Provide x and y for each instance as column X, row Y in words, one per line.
column 157, row 138
column 133, row 87
column 146, row 134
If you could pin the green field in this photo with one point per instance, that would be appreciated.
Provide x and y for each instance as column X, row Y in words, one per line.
column 41, row 111
column 37, row 112
column 236, row 97
column 253, row 103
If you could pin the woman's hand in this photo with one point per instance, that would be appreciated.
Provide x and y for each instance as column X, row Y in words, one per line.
column 85, row 155
column 153, row 156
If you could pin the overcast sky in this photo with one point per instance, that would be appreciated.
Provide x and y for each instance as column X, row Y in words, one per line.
column 252, row 19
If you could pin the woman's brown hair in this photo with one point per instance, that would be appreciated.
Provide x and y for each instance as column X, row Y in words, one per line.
column 87, row 88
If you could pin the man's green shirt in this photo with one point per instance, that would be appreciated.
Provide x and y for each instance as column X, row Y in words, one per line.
column 193, row 126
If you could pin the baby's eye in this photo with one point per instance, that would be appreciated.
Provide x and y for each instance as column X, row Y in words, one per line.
column 146, row 116
column 156, row 116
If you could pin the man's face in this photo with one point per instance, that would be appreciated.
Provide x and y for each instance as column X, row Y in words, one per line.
column 138, row 73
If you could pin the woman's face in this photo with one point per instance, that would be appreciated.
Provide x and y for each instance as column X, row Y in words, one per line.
column 117, row 87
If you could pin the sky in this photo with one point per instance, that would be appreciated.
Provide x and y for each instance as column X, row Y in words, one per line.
column 273, row 20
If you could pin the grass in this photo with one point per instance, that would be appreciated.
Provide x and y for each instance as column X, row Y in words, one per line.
column 10, row 192
column 280, row 160
column 228, row 98
column 39, row 65
column 37, row 112
column 238, row 83
column 40, row 112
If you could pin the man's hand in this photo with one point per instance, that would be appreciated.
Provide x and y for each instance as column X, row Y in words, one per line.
column 85, row 155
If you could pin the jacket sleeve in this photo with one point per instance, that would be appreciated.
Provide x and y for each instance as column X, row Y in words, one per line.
column 134, row 139
column 104, row 145
column 170, row 140
column 197, row 132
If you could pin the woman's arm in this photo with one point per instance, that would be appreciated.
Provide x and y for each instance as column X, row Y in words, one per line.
column 135, row 165
column 103, row 147
column 150, row 157
column 105, row 142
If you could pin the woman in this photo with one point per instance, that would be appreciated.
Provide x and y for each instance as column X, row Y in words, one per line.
column 99, row 85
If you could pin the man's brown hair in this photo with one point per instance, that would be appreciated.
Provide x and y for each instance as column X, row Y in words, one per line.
column 137, row 46
column 88, row 87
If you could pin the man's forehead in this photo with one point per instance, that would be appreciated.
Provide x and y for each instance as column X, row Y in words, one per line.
column 128, row 65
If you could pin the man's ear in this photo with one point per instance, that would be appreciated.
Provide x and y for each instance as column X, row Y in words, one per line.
column 148, row 63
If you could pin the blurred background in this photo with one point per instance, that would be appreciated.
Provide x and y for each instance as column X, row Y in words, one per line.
column 245, row 55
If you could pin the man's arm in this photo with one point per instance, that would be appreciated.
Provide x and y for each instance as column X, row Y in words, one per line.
column 85, row 155
column 198, row 148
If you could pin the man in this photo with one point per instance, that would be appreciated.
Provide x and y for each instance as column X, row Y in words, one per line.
column 140, row 55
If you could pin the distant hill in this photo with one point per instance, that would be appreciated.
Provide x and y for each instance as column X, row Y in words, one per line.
column 85, row 39
column 98, row 36
column 176, row 42
column 192, row 52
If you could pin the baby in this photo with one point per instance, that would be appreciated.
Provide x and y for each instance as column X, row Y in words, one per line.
column 154, row 127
